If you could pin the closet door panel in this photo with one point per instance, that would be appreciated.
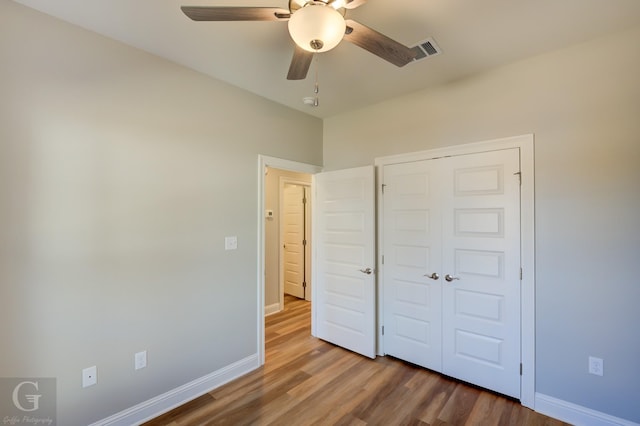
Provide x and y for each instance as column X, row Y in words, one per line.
column 481, row 254
column 412, row 250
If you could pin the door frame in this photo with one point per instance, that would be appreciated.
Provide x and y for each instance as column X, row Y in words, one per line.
column 276, row 163
column 525, row 143
column 307, row 229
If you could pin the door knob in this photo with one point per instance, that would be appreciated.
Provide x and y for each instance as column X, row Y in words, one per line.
column 367, row 271
column 433, row 276
column 450, row 278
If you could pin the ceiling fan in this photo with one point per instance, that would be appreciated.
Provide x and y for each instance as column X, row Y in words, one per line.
column 315, row 26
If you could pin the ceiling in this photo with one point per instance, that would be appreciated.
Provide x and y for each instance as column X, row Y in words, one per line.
column 474, row 35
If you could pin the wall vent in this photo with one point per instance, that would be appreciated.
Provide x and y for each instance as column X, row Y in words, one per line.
column 425, row 49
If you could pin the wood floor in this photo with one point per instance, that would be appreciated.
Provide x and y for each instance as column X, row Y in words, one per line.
column 306, row 381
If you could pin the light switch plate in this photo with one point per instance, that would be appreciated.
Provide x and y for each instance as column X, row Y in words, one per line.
column 140, row 360
column 230, row 243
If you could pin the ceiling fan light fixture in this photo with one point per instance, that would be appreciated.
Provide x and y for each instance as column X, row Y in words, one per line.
column 317, row 27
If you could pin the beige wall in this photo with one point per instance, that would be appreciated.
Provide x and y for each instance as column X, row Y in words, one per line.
column 272, row 231
column 583, row 105
column 120, row 176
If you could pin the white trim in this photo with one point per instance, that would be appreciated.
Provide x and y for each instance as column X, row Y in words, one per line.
column 576, row 414
column 527, row 253
column 276, row 163
column 272, row 309
column 526, row 145
column 167, row 401
column 379, row 265
column 469, row 148
column 314, row 234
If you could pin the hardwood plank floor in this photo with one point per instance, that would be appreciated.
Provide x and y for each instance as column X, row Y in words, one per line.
column 306, row 381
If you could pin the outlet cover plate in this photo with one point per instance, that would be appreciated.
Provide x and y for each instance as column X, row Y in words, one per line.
column 89, row 376
column 596, row 366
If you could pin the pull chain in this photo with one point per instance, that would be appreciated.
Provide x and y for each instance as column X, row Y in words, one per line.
column 316, row 87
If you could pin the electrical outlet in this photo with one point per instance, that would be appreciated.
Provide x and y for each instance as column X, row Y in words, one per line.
column 140, row 360
column 596, row 366
column 89, row 376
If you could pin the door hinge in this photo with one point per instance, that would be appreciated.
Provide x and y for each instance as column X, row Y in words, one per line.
column 304, row 200
column 383, row 330
column 520, row 274
column 383, row 186
column 521, row 369
column 304, row 243
column 519, row 174
column 304, row 284
column 383, row 259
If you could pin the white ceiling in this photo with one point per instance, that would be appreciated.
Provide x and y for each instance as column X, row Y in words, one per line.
column 474, row 35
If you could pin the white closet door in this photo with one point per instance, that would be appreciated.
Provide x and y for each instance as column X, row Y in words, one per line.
column 458, row 217
column 412, row 254
column 481, row 254
column 344, row 238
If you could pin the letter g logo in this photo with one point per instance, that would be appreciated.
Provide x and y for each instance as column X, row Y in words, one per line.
column 33, row 399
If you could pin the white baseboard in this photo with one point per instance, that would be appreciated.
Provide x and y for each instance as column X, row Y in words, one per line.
column 576, row 414
column 174, row 398
column 271, row 309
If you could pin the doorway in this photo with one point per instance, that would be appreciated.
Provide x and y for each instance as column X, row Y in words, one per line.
column 287, row 256
column 270, row 297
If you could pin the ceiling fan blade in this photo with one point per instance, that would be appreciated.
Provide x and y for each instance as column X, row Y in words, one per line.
column 378, row 44
column 222, row 13
column 300, row 64
column 352, row 4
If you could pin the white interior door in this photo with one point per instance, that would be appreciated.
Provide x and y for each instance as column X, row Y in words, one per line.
column 481, row 254
column 293, row 237
column 412, row 255
column 344, row 259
